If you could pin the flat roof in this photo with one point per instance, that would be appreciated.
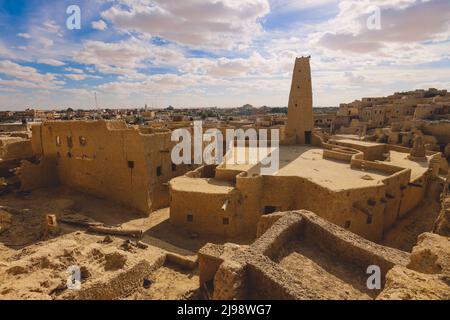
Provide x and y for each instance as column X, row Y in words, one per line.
column 308, row 162
column 400, row 159
column 305, row 162
column 358, row 142
column 201, row 185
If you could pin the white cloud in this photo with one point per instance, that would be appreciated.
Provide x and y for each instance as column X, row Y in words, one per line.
column 402, row 22
column 26, row 76
column 115, row 57
column 76, row 76
column 45, row 42
column 52, row 27
column 205, row 23
column 240, row 62
column 126, row 57
column 24, row 35
column 79, row 77
column 291, row 5
column 99, row 25
column 51, row 62
column 74, row 70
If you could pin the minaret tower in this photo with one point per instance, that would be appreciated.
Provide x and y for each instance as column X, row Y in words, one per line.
column 300, row 122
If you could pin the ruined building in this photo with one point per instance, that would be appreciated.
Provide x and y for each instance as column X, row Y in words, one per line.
column 362, row 186
column 337, row 206
column 300, row 256
column 107, row 159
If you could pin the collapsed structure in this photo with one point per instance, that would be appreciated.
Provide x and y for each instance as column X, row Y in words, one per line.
column 302, row 256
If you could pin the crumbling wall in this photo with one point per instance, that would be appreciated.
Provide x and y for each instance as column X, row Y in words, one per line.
column 13, row 127
column 15, row 148
column 442, row 224
column 241, row 272
column 439, row 129
column 38, row 175
column 426, row 275
column 109, row 160
column 103, row 161
column 351, row 247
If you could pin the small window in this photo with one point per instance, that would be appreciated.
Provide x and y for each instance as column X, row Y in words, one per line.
column 174, row 167
column 269, row 209
column 83, row 141
column 226, row 221
column 369, row 219
column 58, row 141
column 69, row 155
column 347, row 224
column 158, row 172
column 190, row 218
column 131, row 164
column 371, row 202
column 69, row 141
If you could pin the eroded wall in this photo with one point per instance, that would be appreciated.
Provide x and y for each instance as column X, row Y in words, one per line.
column 109, row 160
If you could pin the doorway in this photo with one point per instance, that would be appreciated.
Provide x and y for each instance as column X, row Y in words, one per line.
column 307, row 137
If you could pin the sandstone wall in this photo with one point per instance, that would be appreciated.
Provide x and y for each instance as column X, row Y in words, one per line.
column 202, row 213
column 241, row 272
column 109, row 160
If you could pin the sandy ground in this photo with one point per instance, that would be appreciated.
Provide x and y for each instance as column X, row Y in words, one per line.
column 403, row 235
column 41, row 270
column 322, row 273
column 34, row 262
column 170, row 283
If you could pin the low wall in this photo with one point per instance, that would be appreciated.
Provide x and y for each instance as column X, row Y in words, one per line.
column 377, row 166
column 335, row 155
column 225, row 174
column 242, row 272
column 371, row 152
column 351, row 247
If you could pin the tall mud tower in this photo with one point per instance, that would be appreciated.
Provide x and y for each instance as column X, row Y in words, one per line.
column 300, row 122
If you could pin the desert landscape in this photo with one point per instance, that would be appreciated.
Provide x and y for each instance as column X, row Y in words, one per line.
column 203, row 151
column 104, row 199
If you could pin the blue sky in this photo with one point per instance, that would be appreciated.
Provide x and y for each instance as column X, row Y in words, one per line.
column 203, row 53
